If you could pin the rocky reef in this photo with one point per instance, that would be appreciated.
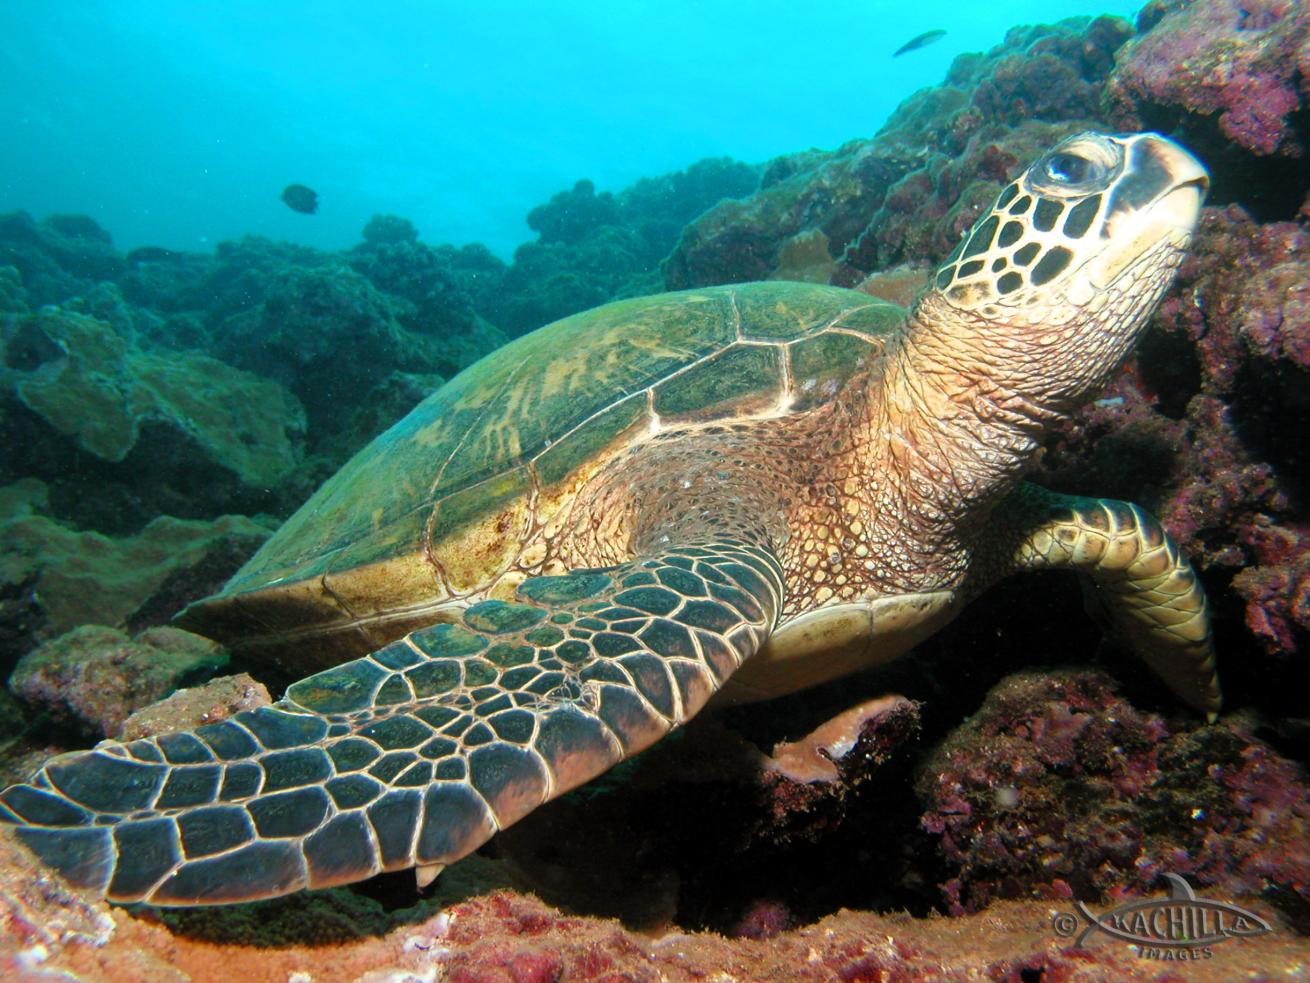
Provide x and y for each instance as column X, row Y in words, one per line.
column 143, row 400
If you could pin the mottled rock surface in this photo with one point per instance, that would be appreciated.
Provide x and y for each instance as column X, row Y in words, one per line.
column 506, row 937
column 1058, row 788
column 1242, row 67
column 94, row 677
column 53, row 578
column 196, row 706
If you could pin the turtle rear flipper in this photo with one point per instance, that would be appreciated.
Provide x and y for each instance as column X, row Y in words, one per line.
column 417, row 753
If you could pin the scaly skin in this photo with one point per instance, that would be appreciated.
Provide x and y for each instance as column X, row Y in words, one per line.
column 1140, row 580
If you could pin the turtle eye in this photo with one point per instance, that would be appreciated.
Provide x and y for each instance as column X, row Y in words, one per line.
column 1078, row 166
column 1066, row 168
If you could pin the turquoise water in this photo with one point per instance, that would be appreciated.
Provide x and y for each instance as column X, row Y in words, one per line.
column 178, row 124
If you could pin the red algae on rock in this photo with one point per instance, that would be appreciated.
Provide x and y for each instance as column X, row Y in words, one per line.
column 1059, row 788
column 1242, row 63
column 502, row 937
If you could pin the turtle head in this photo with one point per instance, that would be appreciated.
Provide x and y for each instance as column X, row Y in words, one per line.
column 1071, row 259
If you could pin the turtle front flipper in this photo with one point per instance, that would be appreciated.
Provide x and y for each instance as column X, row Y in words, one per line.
column 1138, row 576
column 416, row 754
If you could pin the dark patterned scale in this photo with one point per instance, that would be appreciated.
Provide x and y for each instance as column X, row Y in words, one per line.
column 416, row 754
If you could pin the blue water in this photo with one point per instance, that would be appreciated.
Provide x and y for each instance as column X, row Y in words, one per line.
column 178, row 123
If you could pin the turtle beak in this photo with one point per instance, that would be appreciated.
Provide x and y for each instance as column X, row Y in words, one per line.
column 1180, row 207
column 1160, row 201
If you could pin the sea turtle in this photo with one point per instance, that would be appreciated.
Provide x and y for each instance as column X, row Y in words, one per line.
column 570, row 548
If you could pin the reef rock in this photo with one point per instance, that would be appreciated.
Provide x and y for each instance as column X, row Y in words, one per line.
column 48, row 931
column 427, row 287
column 94, row 677
column 906, row 195
column 122, row 434
column 1058, row 788
column 1241, row 66
column 196, row 706
column 58, row 257
column 53, row 578
column 13, row 298
column 330, row 335
column 593, row 248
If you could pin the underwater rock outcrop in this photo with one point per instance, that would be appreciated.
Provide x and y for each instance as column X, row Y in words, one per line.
column 13, row 298
column 195, row 706
column 58, row 257
column 1229, row 75
column 324, row 332
column 94, row 677
column 500, row 936
column 122, row 434
column 54, row 578
column 428, row 289
column 592, row 248
column 1058, row 788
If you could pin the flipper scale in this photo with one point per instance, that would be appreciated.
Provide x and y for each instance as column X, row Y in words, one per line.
column 416, row 754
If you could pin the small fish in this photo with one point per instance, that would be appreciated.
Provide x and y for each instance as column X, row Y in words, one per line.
column 300, row 198
column 922, row 41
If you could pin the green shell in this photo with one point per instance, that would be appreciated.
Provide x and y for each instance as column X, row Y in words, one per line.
column 541, row 406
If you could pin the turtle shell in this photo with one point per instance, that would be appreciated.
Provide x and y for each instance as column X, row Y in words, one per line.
column 443, row 508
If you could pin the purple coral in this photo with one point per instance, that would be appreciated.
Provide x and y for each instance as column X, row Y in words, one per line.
column 1060, row 788
column 1242, row 63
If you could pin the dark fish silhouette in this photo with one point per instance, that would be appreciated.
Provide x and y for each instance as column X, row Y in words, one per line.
column 152, row 254
column 300, row 198
column 922, row 41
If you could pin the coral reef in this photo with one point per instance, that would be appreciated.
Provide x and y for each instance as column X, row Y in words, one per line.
column 1238, row 67
column 49, row 931
column 1058, row 788
column 427, row 287
column 121, row 434
column 324, row 332
column 164, row 384
column 94, row 677
column 59, row 257
column 593, row 248
column 53, row 578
